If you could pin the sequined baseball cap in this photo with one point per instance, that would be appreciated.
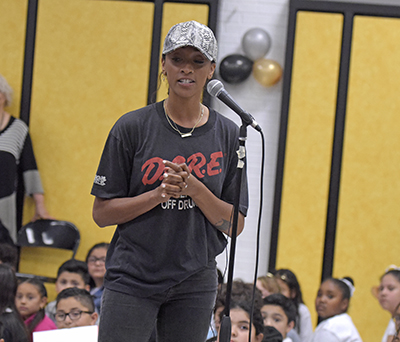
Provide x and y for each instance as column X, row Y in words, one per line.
column 192, row 33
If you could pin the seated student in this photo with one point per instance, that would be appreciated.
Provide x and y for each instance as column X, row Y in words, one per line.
column 279, row 312
column 30, row 300
column 75, row 308
column 14, row 327
column 239, row 313
column 290, row 287
column 389, row 296
column 72, row 273
column 96, row 261
column 332, row 302
column 267, row 284
column 239, row 288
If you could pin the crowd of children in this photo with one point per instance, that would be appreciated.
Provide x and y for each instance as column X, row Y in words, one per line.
column 24, row 309
column 273, row 312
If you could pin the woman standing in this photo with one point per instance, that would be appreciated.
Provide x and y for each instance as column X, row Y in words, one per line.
column 167, row 178
column 16, row 156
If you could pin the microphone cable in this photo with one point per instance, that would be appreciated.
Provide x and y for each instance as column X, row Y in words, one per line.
column 258, row 230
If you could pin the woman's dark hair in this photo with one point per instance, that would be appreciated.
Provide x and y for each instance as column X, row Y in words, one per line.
column 14, row 327
column 43, row 293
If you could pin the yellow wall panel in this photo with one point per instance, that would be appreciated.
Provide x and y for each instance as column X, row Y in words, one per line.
column 12, row 46
column 309, row 148
column 92, row 63
column 174, row 13
column 369, row 217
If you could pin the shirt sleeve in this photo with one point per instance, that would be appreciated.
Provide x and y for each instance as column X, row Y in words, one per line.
column 28, row 167
column 324, row 336
column 390, row 330
column 305, row 323
column 113, row 174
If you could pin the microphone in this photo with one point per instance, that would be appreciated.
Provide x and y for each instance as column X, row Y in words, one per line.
column 216, row 88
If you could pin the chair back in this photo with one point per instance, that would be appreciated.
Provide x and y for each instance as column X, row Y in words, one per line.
column 50, row 233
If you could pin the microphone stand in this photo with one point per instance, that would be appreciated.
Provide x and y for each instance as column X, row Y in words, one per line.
column 225, row 328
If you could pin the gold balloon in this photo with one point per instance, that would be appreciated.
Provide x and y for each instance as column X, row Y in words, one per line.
column 267, row 72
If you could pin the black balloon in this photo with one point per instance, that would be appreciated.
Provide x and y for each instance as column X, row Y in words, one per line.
column 235, row 68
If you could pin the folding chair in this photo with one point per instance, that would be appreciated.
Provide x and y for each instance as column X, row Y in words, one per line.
column 48, row 233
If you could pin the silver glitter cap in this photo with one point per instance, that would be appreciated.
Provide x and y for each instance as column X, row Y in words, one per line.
column 192, row 33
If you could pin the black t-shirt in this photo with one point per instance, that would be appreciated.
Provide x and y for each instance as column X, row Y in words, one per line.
column 173, row 240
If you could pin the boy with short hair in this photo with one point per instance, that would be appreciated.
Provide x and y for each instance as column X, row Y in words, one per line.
column 280, row 313
column 75, row 308
column 72, row 273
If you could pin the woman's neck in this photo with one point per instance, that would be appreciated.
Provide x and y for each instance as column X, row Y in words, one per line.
column 184, row 112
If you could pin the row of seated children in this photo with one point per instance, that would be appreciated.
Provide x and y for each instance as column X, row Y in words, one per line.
column 22, row 307
column 279, row 312
column 271, row 317
column 87, row 275
column 387, row 293
column 31, row 297
column 284, row 281
column 332, row 302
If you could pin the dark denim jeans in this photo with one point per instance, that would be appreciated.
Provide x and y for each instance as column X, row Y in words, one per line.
column 182, row 313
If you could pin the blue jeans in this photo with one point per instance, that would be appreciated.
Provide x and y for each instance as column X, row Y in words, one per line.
column 182, row 313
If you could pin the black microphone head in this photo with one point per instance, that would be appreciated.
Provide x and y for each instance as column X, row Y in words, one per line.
column 214, row 87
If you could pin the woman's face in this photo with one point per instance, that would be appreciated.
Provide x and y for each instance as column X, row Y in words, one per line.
column 187, row 70
column 330, row 301
column 96, row 263
column 389, row 293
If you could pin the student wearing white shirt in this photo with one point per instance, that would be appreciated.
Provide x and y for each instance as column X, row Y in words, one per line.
column 332, row 302
column 389, row 298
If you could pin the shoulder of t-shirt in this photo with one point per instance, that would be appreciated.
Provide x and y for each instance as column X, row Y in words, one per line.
column 134, row 119
column 138, row 114
column 222, row 119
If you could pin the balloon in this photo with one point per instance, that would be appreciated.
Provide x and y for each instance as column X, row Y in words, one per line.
column 235, row 68
column 267, row 72
column 256, row 43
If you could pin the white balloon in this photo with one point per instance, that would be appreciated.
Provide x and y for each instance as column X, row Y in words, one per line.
column 256, row 43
